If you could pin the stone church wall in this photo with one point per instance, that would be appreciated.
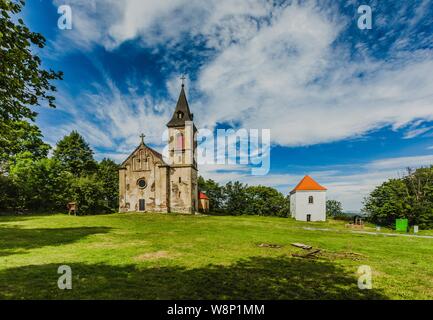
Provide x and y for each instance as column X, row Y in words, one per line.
column 183, row 192
column 143, row 164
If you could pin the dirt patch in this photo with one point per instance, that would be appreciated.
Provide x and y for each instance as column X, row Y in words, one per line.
column 108, row 245
column 270, row 245
column 155, row 256
column 117, row 245
column 344, row 255
column 315, row 254
column 329, row 255
column 310, row 255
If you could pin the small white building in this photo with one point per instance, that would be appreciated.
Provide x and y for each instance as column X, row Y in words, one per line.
column 308, row 201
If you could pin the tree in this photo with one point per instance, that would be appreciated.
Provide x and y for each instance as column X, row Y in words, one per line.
column 266, row 201
column 8, row 193
column 334, row 208
column 409, row 197
column 75, row 155
column 23, row 83
column 387, row 202
column 17, row 137
column 41, row 184
column 419, row 185
column 108, row 174
column 88, row 192
column 44, row 184
column 235, row 198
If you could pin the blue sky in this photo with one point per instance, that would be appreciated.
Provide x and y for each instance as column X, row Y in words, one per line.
column 350, row 107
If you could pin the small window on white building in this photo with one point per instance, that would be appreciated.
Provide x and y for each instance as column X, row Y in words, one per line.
column 310, row 199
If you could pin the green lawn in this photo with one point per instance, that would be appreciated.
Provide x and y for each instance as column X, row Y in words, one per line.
column 155, row 256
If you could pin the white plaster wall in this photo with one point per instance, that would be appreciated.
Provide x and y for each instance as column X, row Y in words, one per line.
column 293, row 205
column 316, row 209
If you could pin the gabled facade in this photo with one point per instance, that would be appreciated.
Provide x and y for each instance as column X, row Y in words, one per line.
column 308, row 201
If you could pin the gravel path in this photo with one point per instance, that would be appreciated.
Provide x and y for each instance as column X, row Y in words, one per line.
column 371, row 233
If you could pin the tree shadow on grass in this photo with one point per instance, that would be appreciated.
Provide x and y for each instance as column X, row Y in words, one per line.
column 15, row 218
column 18, row 240
column 255, row 278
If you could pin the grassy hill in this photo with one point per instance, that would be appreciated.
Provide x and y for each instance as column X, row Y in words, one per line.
column 155, row 256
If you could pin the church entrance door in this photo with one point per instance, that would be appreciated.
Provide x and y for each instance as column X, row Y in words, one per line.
column 141, row 205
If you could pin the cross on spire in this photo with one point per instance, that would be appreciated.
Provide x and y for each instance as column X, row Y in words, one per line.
column 183, row 80
column 142, row 136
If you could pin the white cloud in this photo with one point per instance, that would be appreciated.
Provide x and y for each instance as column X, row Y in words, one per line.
column 285, row 73
column 271, row 82
column 110, row 120
column 401, row 163
column 417, row 132
column 111, row 22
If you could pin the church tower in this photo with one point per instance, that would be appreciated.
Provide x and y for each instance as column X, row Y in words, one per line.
column 182, row 148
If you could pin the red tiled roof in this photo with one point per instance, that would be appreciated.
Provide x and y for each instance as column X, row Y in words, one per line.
column 201, row 195
column 308, row 183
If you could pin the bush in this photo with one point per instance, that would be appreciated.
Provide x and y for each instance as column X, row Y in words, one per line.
column 39, row 184
column 8, row 194
column 334, row 208
column 344, row 217
column 89, row 194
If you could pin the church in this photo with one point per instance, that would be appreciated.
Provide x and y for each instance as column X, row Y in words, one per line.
column 150, row 183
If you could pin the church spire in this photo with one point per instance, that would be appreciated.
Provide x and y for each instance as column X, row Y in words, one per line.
column 182, row 112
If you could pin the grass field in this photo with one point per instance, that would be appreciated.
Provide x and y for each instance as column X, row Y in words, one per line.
column 155, row 256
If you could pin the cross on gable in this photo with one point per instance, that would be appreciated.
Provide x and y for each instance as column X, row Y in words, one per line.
column 142, row 138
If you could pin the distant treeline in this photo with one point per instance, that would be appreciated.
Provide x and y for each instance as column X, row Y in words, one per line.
column 32, row 182
column 236, row 198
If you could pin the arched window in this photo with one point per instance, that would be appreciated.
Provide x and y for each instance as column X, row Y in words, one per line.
column 180, row 141
column 310, row 199
column 180, row 115
column 137, row 164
